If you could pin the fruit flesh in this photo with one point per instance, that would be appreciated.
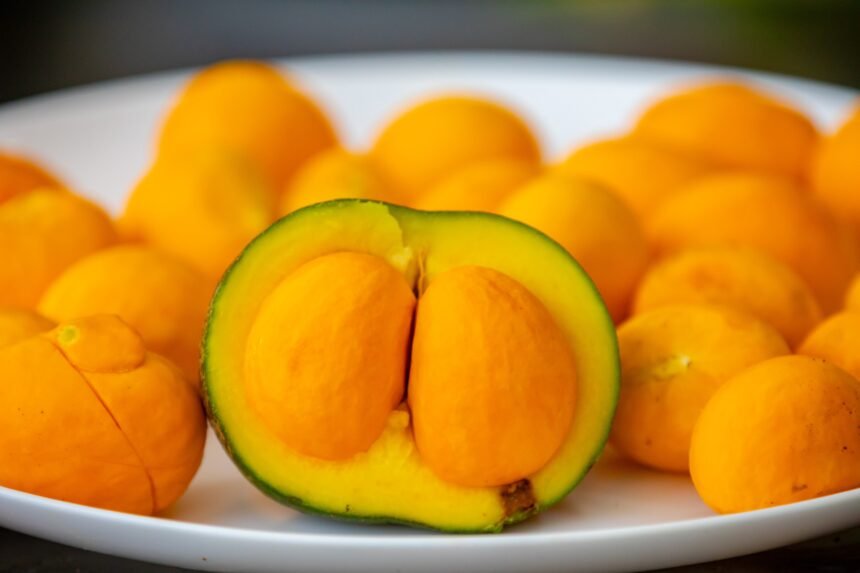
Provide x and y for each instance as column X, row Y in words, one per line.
column 421, row 247
column 19, row 175
column 425, row 143
column 93, row 418
column 249, row 109
column 673, row 360
column 161, row 296
column 597, row 228
column 768, row 213
column 742, row 278
column 836, row 340
column 327, row 385
column 44, row 232
column 641, row 173
column 733, row 126
column 508, row 421
column 782, row 431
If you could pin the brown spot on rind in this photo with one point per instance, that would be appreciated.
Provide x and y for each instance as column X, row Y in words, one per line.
column 518, row 498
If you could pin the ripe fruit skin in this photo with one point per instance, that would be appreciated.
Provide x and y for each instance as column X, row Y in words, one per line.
column 673, row 359
column 203, row 208
column 16, row 324
column 43, row 232
column 479, row 186
column 432, row 139
column 835, row 172
column 732, row 125
column 642, row 173
column 248, row 109
column 595, row 227
column 393, row 480
column 333, row 174
column 742, row 278
column 836, row 340
column 767, row 213
column 782, row 431
column 19, row 175
column 158, row 295
column 95, row 419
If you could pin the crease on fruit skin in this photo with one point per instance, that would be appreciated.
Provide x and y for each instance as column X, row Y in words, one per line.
column 113, row 418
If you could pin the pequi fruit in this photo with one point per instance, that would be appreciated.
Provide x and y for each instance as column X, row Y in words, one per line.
column 333, row 174
column 767, row 213
column 673, row 359
column 734, row 126
column 836, row 340
column 594, row 225
column 739, row 277
column 782, row 431
column 638, row 171
column 492, row 411
column 43, row 232
column 19, row 175
column 202, row 208
column 160, row 296
column 479, row 186
column 433, row 139
column 249, row 109
column 16, row 324
column 93, row 418
column 835, row 171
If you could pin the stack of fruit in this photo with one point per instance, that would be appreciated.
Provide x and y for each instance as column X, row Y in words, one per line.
column 415, row 361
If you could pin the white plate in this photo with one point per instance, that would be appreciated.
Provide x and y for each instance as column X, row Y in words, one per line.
column 620, row 518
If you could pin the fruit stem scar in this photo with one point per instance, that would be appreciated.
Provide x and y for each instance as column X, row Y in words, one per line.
column 67, row 335
column 518, row 498
column 668, row 368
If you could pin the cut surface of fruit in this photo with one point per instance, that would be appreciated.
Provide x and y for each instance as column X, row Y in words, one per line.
column 451, row 370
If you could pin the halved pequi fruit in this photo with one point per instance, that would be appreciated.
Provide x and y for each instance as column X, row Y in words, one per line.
column 451, row 370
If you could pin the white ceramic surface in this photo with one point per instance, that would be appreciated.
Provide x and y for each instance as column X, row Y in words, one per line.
column 621, row 518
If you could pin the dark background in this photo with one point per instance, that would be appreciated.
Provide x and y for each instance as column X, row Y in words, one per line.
column 52, row 44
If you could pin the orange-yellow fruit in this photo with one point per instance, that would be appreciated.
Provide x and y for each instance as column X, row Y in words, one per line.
column 739, row 277
column 852, row 297
column 784, row 430
column 431, row 140
column 93, row 418
column 732, row 125
column 836, row 340
column 204, row 208
column 767, row 213
column 161, row 297
column 478, row 187
column 333, row 174
column 346, row 373
column 16, row 324
column 41, row 233
column 594, row 225
column 19, row 175
column 673, row 359
column 250, row 109
column 835, row 171
column 640, row 172
column 507, row 382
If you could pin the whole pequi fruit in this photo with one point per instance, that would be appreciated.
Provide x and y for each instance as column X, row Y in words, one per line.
column 93, row 418
column 361, row 410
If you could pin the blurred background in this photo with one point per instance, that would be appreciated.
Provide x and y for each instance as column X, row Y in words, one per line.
column 53, row 44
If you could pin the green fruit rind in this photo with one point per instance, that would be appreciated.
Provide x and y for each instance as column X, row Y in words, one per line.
column 610, row 377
